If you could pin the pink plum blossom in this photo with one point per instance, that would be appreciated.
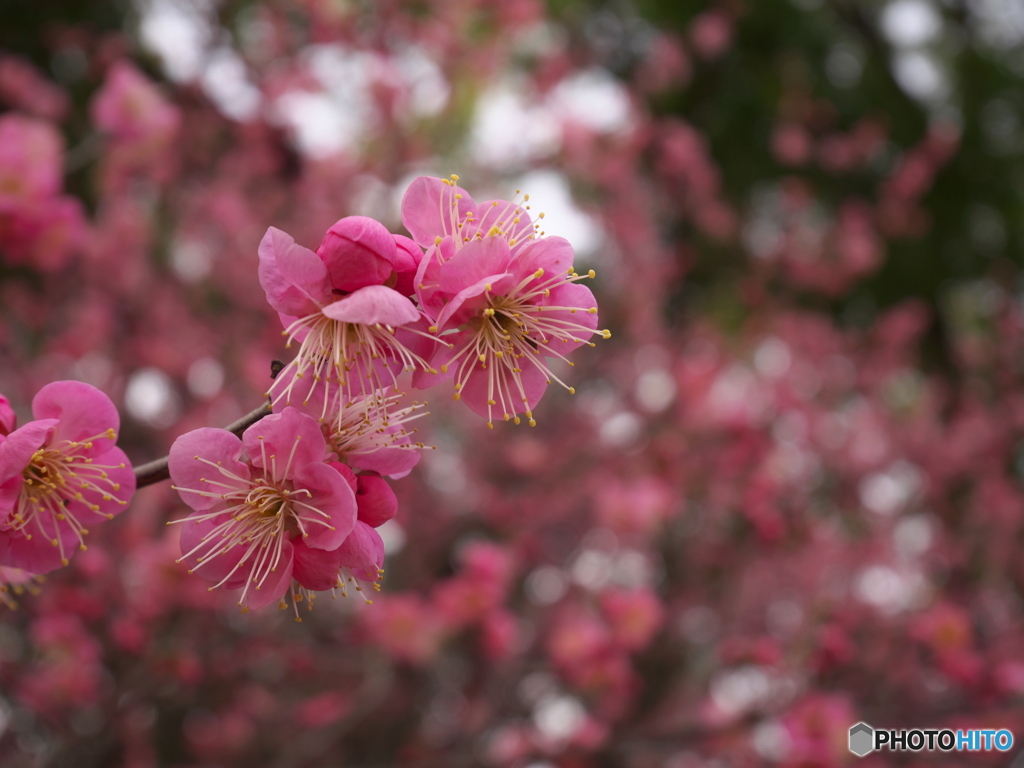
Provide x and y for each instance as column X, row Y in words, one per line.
column 59, row 475
column 368, row 433
column 265, row 506
column 38, row 225
column 338, row 305
column 504, row 297
column 130, row 108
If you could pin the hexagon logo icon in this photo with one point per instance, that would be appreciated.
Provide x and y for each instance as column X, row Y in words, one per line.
column 862, row 738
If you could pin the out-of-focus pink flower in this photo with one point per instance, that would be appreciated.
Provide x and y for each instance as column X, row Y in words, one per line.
column 336, row 304
column 509, row 298
column 37, row 224
column 59, row 475
column 24, row 87
column 30, row 161
column 633, row 615
column 405, row 627
column 254, row 519
column 711, row 34
column 130, row 108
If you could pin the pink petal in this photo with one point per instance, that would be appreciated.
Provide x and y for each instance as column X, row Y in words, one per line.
column 431, row 210
column 315, row 569
column 10, row 490
column 282, row 443
column 572, row 295
column 408, row 256
column 189, row 472
column 503, row 213
column 38, row 554
column 8, row 420
column 357, row 251
column 474, row 262
column 345, row 472
column 374, row 304
column 363, row 552
column 84, row 414
column 377, row 502
column 428, row 290
column 552, row 254
column 123, row 476
column 294, row 278
column 472, row 299
column 193, row 533
column 17, row 449
column 392, row 462
column 534, row 382
column 277, row 582
column 330, row 494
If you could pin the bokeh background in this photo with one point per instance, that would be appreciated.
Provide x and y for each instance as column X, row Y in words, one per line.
column 786, row 497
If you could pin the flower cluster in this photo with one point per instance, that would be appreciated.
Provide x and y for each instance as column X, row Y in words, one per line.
column 292, row 506
column 59, row 475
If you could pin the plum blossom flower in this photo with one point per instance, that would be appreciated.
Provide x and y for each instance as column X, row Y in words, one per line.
column 130, row 108
column 370, row 433
column 260, row 520
column 38, row 225
column 59, row 474
column 353, row 329
column 360, row 559
column 505, row 297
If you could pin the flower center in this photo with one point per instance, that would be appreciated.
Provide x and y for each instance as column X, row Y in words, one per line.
column 360, row 359
column 55, row 477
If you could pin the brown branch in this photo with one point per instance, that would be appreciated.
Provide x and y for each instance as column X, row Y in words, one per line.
column 156, row 471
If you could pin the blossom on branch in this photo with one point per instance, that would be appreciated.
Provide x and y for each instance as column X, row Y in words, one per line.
column 266, row 507
column 353, row 329
column 504, row 297
column 59, row 475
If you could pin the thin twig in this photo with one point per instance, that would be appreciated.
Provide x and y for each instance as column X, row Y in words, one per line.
column 156, row 471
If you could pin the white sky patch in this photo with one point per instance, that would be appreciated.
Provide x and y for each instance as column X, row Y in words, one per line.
column 549, row 193
column 151, row 399
column 1000, row 23
column 205, row 378
column 510, row 129
column 190, row 260
column 393, row 535
column 428, row 89
column 920, row 74
column 889, row 590
column 321, row 128
column 225, row 81
column 594, row 98
column 886, row 493
column 910, row 23
column 738, row 691
column 546, row 585
column 655, row 390
column 559, row 717
column 334, row 119
column 179, row 32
